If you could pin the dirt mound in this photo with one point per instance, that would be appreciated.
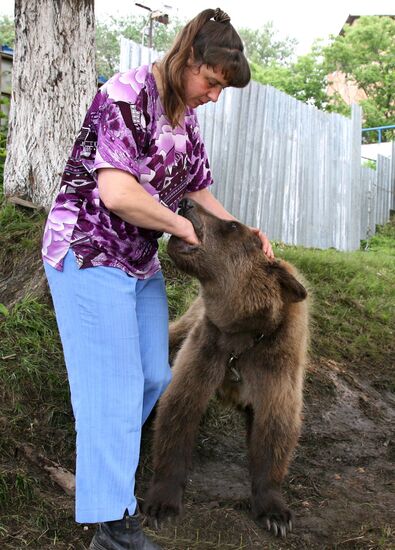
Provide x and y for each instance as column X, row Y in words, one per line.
column 339, row 485
column 27, row 278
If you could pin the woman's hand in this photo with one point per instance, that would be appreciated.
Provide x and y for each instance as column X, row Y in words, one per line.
column 266, row 246
column 210, row 203
column 122, row 194
column 186, row 231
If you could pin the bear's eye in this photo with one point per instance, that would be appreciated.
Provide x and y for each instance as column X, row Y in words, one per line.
column 227, row 227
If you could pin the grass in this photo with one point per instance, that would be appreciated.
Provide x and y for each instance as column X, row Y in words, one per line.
column 353, row 314
column 383, row 241
column 33, row 384
column 21, row 232
column 181, row 289
column 353, row 298
column 353, row 320
column 30, row 346
column 20, row 229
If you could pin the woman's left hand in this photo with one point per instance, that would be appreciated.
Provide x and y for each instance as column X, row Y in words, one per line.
column 266, row 246
column 210, row 203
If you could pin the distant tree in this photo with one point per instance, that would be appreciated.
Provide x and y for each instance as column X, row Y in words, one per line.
column 109, row 32
column 366, row 55
column 164, row 35
column 263, row 48
column 107, row 49
column 272, row 62
column 54, row 79
column 7, row 31
column 304, row 79
column 274, row 75
column 308, row 79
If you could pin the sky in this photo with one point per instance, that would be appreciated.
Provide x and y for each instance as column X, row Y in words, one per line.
column 304, row 20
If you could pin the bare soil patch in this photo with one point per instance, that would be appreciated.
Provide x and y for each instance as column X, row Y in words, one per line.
column 340, row 483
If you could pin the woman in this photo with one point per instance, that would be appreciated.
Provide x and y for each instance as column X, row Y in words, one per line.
column 138, row 153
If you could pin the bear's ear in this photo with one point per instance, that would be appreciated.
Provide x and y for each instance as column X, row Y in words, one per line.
column 294, row 290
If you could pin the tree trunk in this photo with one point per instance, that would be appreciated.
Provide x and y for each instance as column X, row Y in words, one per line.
column 54, row 80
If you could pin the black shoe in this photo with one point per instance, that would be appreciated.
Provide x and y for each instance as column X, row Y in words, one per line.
column 124, row 534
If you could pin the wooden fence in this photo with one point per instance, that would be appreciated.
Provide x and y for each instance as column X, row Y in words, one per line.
column 288, row 168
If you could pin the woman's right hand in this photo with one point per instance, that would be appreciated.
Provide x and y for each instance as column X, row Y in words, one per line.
column 122, row 194
column 187, row 232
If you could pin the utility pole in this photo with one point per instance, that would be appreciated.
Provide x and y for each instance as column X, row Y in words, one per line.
column 155, row 15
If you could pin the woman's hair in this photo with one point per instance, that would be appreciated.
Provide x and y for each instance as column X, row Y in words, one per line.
column 213, row 41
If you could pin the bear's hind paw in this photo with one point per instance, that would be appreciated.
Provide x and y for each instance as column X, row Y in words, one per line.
column 273, row 514
column 161, row 505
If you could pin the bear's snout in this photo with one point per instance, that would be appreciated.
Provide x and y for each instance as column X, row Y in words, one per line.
column 190, row 210
column 185, row 206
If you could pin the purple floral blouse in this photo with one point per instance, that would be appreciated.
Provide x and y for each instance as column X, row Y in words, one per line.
column 125, row 128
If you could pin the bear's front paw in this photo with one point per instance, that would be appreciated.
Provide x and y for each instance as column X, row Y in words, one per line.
column 162, row 501
column 271, row 511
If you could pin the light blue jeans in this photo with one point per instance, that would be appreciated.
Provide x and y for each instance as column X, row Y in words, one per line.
column 114, row 332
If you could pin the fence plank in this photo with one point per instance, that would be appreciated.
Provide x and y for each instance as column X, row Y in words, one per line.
column 289, row 168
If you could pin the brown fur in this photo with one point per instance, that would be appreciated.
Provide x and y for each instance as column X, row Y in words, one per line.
column 242, row 296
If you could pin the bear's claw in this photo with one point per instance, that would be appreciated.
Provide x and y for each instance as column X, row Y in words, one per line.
column 271, row 512
column 161, row 504
column 278, row 527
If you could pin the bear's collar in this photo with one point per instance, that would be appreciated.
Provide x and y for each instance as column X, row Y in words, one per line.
column 234, row 373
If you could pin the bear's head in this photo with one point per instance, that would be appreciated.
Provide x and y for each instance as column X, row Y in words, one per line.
column 232, row 268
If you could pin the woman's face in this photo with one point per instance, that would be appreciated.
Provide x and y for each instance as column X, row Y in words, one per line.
column 202, row 84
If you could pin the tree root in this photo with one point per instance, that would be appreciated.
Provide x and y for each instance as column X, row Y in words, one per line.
column 62, row 477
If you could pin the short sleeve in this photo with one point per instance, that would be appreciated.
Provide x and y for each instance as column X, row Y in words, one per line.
column 120, row 137
column 200, row 173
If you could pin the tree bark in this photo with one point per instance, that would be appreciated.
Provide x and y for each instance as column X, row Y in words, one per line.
column 54, row 80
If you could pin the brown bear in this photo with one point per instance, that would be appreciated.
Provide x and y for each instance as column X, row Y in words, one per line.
column 245, row 337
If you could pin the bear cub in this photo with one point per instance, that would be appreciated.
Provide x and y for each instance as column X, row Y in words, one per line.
column 245, row 339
